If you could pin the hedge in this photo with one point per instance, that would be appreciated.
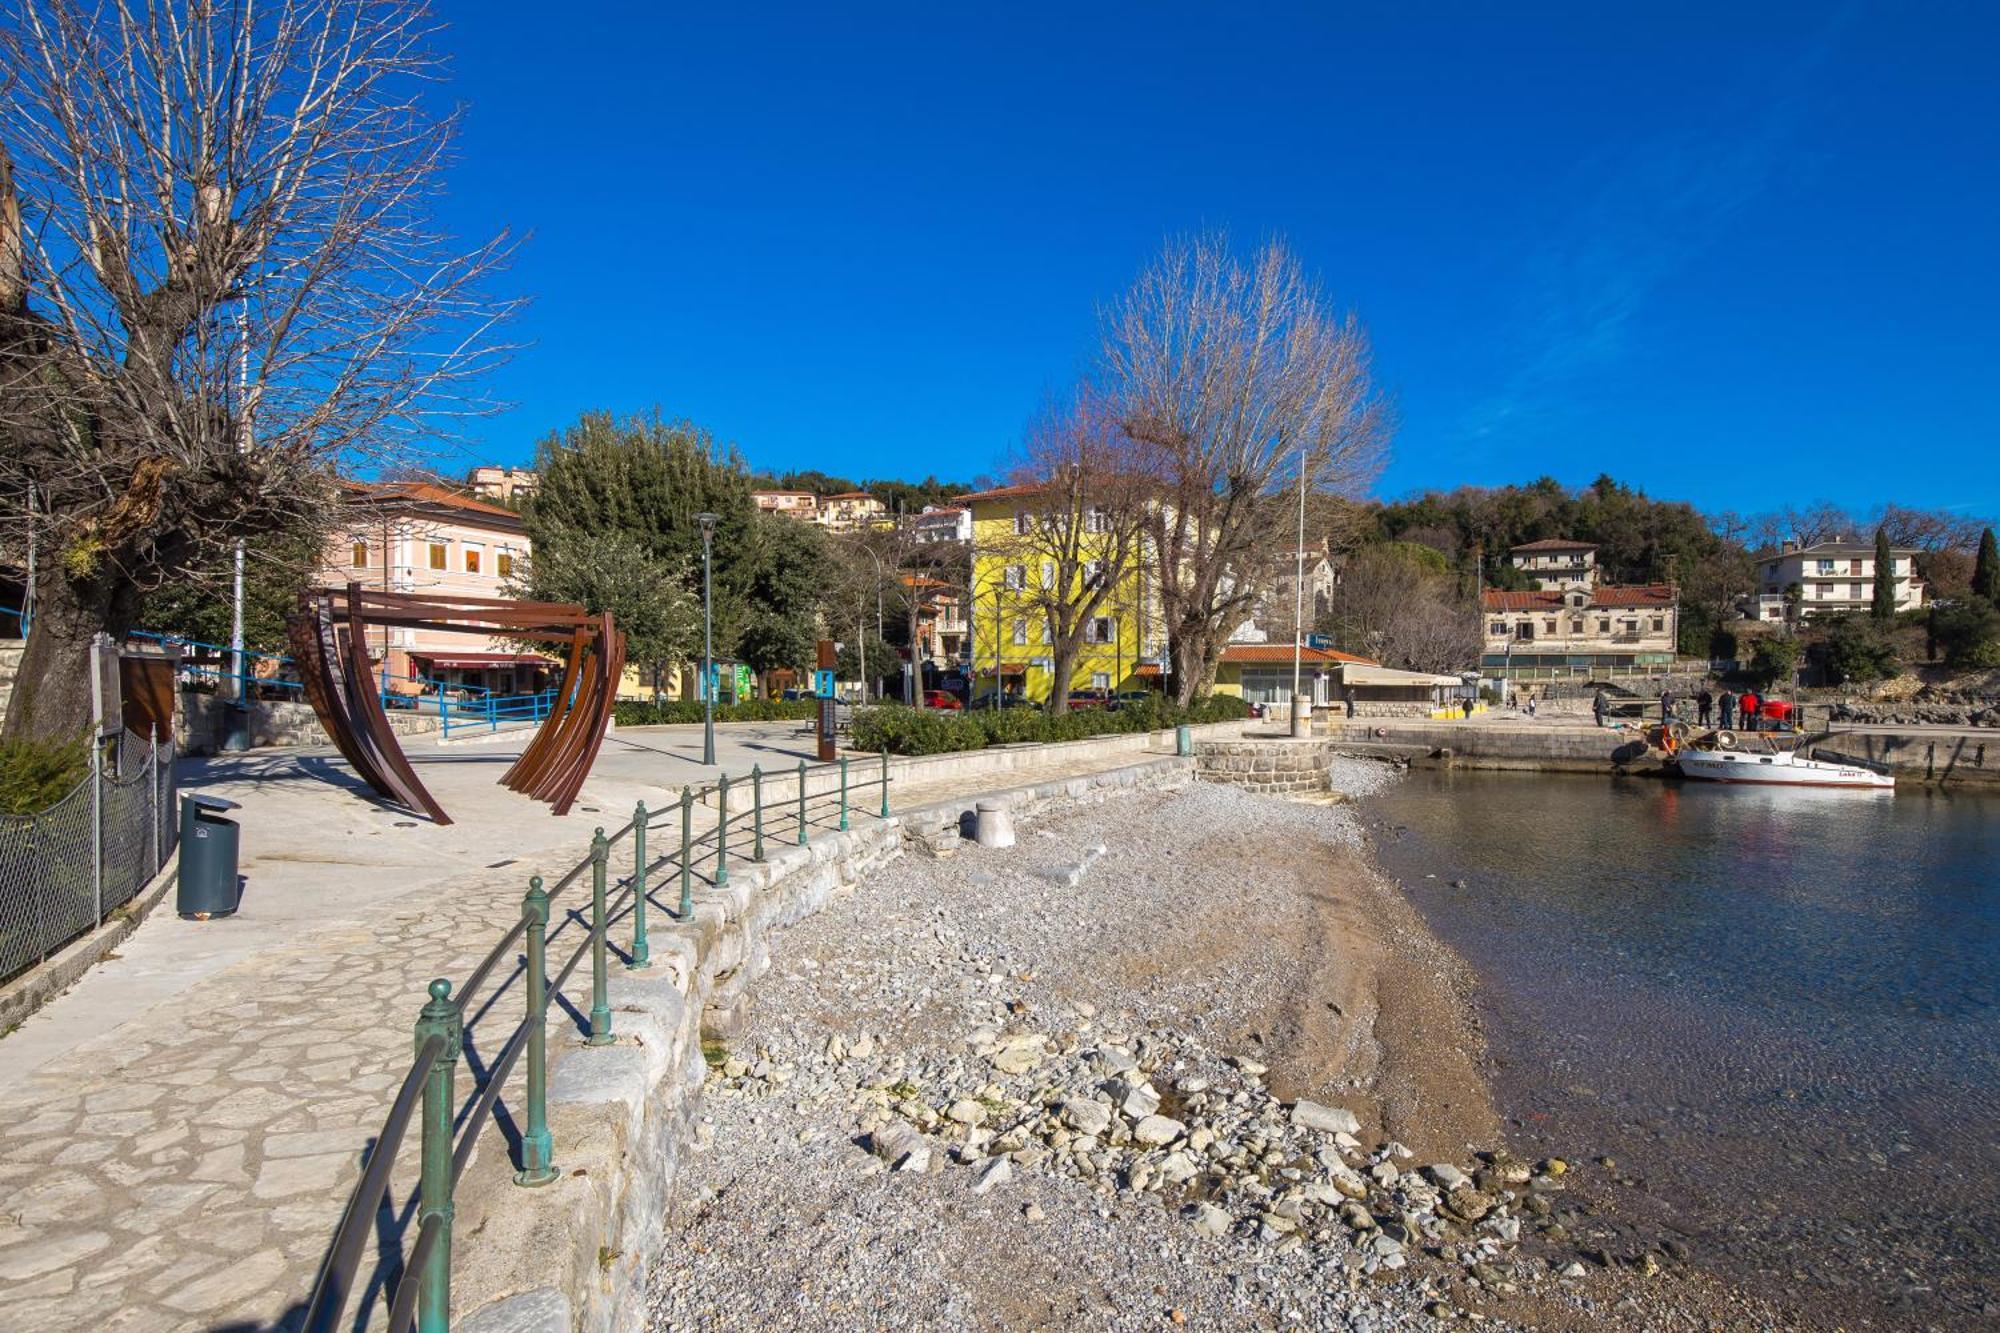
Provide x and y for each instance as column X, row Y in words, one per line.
column 915, row 731
column 632, row 714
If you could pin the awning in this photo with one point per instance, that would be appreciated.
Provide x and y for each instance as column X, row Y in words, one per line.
column 476, row 661
column 1353, row 673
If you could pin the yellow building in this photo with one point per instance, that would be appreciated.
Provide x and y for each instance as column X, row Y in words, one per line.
column 1014, row 573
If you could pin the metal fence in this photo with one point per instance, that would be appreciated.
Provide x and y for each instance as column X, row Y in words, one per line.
column 823, row 798
column 64, row 870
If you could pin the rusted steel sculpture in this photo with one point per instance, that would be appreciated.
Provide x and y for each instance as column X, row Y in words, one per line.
column 330, row 644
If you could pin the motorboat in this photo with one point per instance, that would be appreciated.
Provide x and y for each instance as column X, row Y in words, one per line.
column 1756, row 758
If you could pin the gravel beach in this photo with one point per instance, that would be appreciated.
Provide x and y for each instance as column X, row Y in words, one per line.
column 1179, row 1057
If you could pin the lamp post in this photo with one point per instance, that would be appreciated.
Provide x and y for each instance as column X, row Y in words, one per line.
column 707, row 522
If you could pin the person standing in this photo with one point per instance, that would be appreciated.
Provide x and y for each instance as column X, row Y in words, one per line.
column 1727, row 704
column 1598, row 705
column 1666, row 706
column 1749, row 704
column 1704, row 702
column 1347, row 697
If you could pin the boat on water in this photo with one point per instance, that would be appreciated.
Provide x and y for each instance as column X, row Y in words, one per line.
column 1759, row 759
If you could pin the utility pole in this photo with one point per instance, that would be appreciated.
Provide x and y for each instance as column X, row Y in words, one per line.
column 1299, row 600
column 707, row 522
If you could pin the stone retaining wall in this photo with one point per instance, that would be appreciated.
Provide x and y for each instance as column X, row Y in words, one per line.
column 574, row 1254
column 1270, row 765
column 203, row 722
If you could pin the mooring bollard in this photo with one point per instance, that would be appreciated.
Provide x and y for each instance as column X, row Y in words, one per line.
column 843, row 793
column 722, row 830
column 600, row 1002
column 687, row 851
column 642, row 953
column 802, row 802
column 537, row 1145
column 885, row 784
column 757, row 811
column 440, row 1018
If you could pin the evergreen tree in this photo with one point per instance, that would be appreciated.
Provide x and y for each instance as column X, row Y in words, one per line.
column 1986, row 569
column 1883, row 608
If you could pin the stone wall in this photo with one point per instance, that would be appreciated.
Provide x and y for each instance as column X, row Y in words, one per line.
column 573, row 1254
column 203, row 722
column 1272, row 766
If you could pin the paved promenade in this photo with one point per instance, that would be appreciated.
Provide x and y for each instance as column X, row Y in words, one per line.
column 179, row 1132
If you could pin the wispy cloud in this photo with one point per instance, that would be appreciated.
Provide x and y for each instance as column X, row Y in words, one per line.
column 1649, row 212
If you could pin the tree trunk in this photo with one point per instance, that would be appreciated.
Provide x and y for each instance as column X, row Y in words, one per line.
column 51, row 700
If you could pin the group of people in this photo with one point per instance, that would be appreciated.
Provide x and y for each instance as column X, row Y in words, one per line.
column 1747, row 706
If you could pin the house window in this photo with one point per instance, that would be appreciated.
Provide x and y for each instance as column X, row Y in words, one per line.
column 1550, row 625
column 1100, row 629
column 1091, row 570
column 437, row 555
column 1576, row 626
column 1604, row 624
column 503, row 564
column 1100, row 680
column 1659, row 624
column 472, row 554
column 1020, row 631
column 1822, row 566
column 1497, row 628
column 1525, row 631
column 1855, row 593
column 1629, row 626
column 1854, row 566
column 1095, row 519
column 1024, row 523
column 1048, row 574
column 1016, row 578
column 360, row 555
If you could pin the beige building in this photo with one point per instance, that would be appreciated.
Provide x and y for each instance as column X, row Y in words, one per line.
column 850, row 510
column 1556, row 563
column 420, row 538
column 801, row 505
column 1834, row 577
column 943, row 523
column 1579, row 630
column 506, row 486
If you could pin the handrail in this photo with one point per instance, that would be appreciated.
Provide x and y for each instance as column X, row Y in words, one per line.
column 451, row 1140
column 329, row 1296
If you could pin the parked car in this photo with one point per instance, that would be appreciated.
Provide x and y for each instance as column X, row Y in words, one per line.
column 1079, row 699
column 1135, row 698
column 942, row 699
column 985, row 700
column 792, row 696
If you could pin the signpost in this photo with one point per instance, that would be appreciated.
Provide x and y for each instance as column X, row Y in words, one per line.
column 823, row 688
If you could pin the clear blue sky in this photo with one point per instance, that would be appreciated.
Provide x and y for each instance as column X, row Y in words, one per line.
column 1674, row 244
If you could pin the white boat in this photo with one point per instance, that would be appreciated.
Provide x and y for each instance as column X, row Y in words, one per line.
column 1798, row 767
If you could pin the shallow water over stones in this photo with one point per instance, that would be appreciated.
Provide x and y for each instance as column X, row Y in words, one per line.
column 1777, row 1012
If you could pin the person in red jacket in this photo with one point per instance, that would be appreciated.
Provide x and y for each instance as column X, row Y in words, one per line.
column 1749, row 705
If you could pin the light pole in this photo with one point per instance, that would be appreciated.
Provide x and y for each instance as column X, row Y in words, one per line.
column 707, row 522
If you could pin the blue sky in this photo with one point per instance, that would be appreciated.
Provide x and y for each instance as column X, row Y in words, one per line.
column 1682, row 243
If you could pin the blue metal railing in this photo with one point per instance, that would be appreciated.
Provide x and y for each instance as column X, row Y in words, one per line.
column 490, row 710
column 217, row 671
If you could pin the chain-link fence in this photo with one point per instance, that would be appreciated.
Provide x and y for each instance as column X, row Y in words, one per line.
column 66, row 869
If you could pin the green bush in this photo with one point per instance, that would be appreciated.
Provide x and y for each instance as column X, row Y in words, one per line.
column 1969, row 634
column 913, row 731
column 1858, row 649
column 34, row 775
column 1772, row 660
column 633, row 714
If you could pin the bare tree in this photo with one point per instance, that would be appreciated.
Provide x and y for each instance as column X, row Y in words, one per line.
column 1402, row 611
column 1228, row 376
column 1078, row 534
column 220, row 283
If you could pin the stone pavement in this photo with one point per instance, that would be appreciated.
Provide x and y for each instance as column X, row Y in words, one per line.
column 179, row 1132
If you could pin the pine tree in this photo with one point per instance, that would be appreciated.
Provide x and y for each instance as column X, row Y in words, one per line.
column 1883, row 609
column 1986, row 570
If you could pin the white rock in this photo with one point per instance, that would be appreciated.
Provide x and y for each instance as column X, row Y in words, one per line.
column 997, row 1171
column 1177, row 1168
column 1086, row 1116
column 1210, row 1220
column 1325, row 1119
column 1157, row 1131
column 966, row 1111
column 1447, row 1176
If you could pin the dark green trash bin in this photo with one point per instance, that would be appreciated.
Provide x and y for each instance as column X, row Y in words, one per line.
column 208, row 882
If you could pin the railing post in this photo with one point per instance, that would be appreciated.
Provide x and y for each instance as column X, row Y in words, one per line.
column 537, row 1145
column 687, row 851
column 885, row 784
column 722, row 830
column 802, row 802
column 757, row 811
column 843, row 793
column 97, row 818
column 642, row 953
column 600, row 1003
column 153, row 793
column 440, row 1018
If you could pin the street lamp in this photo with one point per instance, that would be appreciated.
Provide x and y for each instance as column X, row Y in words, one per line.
column 707, row 522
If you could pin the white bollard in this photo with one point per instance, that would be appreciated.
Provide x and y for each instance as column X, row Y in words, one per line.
column 992, row 826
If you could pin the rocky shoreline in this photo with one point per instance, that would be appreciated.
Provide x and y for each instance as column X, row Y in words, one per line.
column 1223, row 1076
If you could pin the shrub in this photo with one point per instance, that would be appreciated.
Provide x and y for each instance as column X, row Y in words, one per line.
column 637, row 714
column 1858, row 649
column 1969, row 635
column 1772, row 660
column 900, row 730
column 34, row 775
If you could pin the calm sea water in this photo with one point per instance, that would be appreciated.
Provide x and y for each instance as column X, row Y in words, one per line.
column 1779, row 1011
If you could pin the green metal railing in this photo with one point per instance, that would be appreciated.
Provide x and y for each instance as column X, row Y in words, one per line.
column 428, row 1094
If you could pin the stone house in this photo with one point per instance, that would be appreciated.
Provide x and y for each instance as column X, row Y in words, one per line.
column 1579, row 630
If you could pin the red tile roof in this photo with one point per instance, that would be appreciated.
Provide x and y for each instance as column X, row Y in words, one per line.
column 999, row 493
column 1252, row 654
column 1606, row 595
column 423, row 492
column 1554, row 544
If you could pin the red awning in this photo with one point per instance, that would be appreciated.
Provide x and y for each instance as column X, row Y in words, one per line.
column 477, row 660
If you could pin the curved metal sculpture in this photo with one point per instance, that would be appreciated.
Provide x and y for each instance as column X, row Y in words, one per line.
column 330, row 643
